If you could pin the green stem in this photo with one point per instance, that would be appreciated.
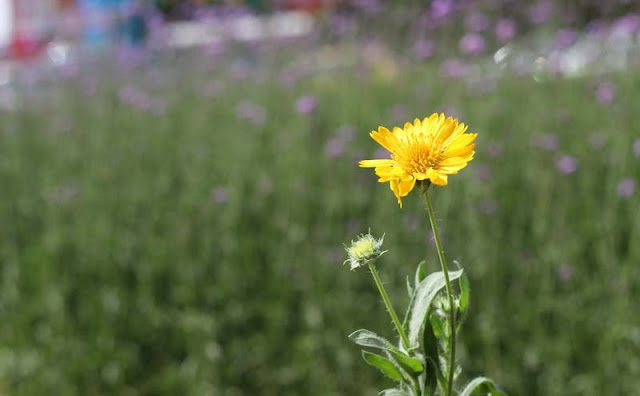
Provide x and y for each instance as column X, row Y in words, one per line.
column 387, row 302
column 445, row 270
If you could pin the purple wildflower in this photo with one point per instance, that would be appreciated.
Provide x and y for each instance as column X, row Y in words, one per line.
column 597, row 141
column 252, row 112
column 626, row 187
column 334, row 147
column 477, row 22
column 454, row 68
column 472, row 44
column 546, row 141
column 540, row 13
column 306, row 104
column 565, row 38
column 636, row 148
column 423, row 48
column 441, row 8
column 219, row 195
column 567, row 164
column 627, row 25
column 605, row 92
column 505, row 30
column 495, row 149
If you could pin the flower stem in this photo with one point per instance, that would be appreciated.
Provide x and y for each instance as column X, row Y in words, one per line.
column 445, row 270
column 387, row 302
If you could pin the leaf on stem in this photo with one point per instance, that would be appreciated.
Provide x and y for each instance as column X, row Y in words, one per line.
column 425, row 293
column 393, row 392
column 483, row 385
column 383, row 364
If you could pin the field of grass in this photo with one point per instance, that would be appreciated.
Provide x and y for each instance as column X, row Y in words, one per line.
column 179, row 229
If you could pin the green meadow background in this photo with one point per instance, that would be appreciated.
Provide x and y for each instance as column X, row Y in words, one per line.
column 197, row 249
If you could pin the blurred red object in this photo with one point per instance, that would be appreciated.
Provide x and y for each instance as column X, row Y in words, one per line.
column 307, row 5
column 33, row 25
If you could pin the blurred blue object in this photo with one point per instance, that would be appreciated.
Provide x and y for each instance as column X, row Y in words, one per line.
column 107, row 22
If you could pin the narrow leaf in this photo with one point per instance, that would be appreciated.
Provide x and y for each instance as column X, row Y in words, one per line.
column 409, row 362
column 484, row 385
column 430, row 344
column 425, row 293
column 409, row 287
column 383, row 364
column 393, row 392
column 368, row 338
column 420, row 273
column 464, row 293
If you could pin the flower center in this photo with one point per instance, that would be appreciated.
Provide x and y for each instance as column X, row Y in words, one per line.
column 363, row 249
column 418, row 157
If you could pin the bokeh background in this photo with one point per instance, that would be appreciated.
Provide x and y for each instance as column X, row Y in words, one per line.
column 177, row 180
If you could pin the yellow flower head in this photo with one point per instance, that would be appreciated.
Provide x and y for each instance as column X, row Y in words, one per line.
column 364, row 250
column 429, row 149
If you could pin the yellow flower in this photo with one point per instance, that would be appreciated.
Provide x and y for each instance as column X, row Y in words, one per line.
column 429, row 149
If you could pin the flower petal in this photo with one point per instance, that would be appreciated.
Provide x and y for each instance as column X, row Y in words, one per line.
column 385, row 138
column 437, row 178
column 375, row 163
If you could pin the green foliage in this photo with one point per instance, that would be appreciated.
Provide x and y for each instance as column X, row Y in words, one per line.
column 121, row 274
column 426, row 291
column 483, row 386
column 385, row 365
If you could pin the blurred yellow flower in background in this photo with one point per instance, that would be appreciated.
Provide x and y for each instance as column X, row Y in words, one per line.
column 429, row 149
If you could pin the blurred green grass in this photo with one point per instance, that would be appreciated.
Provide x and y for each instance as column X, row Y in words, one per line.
column 200, row 253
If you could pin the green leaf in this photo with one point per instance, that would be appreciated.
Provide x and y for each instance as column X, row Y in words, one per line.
column 430, row 344
column 425, row 293
column 383, row 364
column 464, row 293
column 483, row 385
column 409, row 362
column 393, row 392
column 409, row 287
column 420, row 273
column 368, row 338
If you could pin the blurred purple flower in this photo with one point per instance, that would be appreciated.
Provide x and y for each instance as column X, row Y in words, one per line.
column 334, row 147
column 219, row 195
column 567, row 164
column 483, row 172
column 472, row 44
column 636, row 148
column 477, row 22
column 605, row 92
column 627, row 25
column 423, row 48
column 306, row 104
column 495, row 149
column 565, row 272
column 342, row 24
column 442, row 8
column 597, row 27
column 540, row 12
column 505, row 30
column 369, row 6
column 250, row 111
column 346, row 133
column 454, row 68
column 597, row 141
column 626, row 187
column 565, row 38
column 546, row 141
